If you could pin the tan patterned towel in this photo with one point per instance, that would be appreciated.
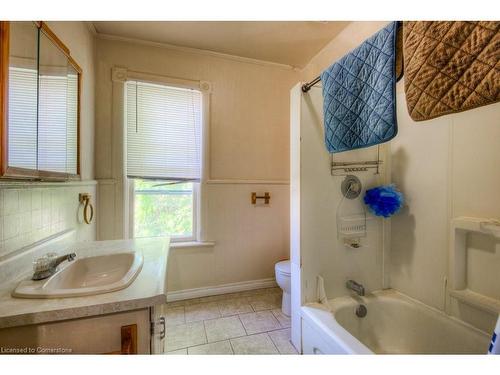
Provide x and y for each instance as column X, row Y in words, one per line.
column 450, row 67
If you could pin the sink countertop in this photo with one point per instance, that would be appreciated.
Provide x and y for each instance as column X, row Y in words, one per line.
column 148, row 289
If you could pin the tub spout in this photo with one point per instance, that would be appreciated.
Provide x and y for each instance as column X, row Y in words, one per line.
column 356, row 287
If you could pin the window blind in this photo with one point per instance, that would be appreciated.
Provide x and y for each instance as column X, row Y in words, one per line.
column 22, row 117
column 163, row 132
column 52, row 124
column 72, row 124
column 57, row 123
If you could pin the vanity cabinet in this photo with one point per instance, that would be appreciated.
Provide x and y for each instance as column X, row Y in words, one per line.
column 40, row 90
column 131, row 332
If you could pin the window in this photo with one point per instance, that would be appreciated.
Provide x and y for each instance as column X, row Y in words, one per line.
column 164, row 209
column 164, row 125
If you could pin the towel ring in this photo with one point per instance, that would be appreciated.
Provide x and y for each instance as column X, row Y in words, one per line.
column 84, row 198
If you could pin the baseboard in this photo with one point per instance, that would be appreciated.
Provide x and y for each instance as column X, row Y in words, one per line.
column 179, row 295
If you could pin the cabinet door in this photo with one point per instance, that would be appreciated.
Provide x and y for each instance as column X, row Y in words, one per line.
column 40, row 87
column 158, row 330
column 125, row 332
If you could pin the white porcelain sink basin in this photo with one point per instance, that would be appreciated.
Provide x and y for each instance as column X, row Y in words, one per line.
column 85, row 276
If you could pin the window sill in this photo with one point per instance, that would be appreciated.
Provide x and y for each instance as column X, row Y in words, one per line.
column 191, row 244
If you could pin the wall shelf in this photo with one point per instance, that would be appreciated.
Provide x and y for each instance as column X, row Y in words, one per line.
column 475, row 224
column 477, row 300
column 460, row 227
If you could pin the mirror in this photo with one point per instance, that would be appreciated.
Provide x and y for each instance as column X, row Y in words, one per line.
column 40, row 123
column 57, row 109
column 22, row 95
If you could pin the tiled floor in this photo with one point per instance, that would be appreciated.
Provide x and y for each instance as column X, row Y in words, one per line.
column 239, row 323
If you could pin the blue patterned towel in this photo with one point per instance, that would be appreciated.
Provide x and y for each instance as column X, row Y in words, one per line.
column 359, row 93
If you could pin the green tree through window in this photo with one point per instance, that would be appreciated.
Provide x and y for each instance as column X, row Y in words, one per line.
column 163, row 209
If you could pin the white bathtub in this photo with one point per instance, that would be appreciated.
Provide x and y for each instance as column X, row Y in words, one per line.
column 395, row 324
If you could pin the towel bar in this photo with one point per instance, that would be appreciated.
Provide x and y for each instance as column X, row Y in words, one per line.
column 266, row 197
column 84, row 198
column 355, row 166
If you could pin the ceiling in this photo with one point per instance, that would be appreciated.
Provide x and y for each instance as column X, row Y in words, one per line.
column 292, row 43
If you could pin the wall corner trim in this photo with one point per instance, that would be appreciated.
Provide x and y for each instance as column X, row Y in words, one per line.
column 91, row 27
column 196, row 51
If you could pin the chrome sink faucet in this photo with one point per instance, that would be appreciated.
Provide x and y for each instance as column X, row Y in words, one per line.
column 47, row 266
column 358, row 288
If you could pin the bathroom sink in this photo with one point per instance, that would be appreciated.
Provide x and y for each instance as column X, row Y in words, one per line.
column 85, row 276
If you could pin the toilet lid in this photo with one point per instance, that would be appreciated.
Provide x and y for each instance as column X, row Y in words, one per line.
column 283, row 267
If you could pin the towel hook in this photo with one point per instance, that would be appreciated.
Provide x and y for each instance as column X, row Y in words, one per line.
column 84, row 198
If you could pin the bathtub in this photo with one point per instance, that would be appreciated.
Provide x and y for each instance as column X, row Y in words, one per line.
column 394, row 324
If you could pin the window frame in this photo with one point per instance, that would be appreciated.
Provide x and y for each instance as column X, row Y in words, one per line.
column 199, row 188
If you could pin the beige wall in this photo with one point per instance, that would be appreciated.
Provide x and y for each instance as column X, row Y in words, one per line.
column 249, row 107
column 350, row 37
column 248, row 140
column 31, row 212
column 446, row 167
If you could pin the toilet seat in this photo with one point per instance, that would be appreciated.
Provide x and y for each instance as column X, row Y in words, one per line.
column 283, row 267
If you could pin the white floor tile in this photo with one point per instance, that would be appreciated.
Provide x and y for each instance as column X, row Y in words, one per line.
column 285, row 321
column 255, row 344
column 257, row 322
column 282, row 341
column 184, row 335
column 224, row 328
column 174, row 316
column 227, row 323
column 265, row 302
column 235, row 306
column 202, row 311
column 220, row 347
column 178, row 352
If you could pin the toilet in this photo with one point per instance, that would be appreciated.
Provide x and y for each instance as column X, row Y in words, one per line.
column 283, row 278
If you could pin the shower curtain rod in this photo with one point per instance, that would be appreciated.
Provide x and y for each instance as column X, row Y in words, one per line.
column 307, row 86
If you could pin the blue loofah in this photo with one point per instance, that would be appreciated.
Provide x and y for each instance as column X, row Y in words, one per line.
column 384, row 200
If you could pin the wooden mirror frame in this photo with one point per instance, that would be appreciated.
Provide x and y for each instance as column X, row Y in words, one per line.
column 7, row 172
